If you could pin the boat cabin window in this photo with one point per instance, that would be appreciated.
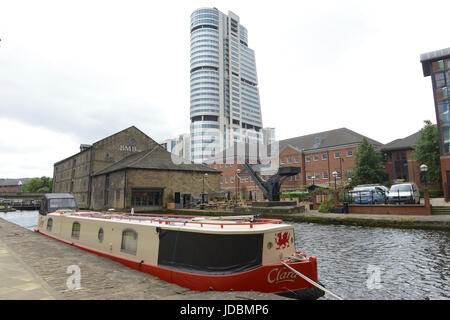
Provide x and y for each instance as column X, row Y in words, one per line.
column 100, row 235
column 64, row 203
column 76, row 230
column 49, row 224
column 129, row 241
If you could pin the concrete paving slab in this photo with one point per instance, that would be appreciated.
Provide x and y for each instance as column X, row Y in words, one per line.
column 17, row 281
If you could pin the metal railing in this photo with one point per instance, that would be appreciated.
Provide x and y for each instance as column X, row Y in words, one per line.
column 169, row 219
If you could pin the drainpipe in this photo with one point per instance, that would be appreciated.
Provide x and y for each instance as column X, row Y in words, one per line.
column 125, row 190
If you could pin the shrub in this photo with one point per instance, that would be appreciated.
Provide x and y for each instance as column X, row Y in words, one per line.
column 170, row 197
column 433, row 193
column 327, row 206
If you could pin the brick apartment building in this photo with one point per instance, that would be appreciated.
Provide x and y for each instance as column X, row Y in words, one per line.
column 318, row 155
column 12, row 185
column 399, row 162
column 436, row 64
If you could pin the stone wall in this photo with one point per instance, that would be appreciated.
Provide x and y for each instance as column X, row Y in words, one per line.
column 404, row 209
column 171, row 181
column 72, row 175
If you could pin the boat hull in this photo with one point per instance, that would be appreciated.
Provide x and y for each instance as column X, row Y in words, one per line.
column 271, row 278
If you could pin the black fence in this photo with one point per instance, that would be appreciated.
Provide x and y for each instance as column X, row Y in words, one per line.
column 372, row 197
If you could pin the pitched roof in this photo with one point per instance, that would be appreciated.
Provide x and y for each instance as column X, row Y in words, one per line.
column 326, row 139
column 401, row 144
column 85, row 147
column 12, row 182
column 157, row 158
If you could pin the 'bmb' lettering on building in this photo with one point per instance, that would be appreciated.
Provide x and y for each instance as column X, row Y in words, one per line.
column 129, row 148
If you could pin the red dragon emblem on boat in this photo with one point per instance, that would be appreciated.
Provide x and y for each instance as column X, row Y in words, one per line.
column 282, row 240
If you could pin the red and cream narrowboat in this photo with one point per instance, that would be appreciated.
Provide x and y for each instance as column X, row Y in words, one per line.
column 240, row 253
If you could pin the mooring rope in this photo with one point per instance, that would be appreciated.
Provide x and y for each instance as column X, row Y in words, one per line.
column 312, row 282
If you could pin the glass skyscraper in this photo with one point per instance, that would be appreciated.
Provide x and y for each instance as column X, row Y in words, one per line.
column 224, row 105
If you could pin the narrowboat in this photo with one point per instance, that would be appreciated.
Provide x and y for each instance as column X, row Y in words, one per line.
column 240, row 253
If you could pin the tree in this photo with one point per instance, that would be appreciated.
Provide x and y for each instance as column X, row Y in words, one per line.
column 368, row 165
column 426, row 151
column 43, row 184
column 244, row 192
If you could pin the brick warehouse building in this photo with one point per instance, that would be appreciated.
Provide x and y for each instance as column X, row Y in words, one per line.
column 12, row 185
column 75, row 174
column 318, row 155
column 437, row 65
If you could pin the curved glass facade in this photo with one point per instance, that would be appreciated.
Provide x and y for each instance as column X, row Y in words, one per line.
column 224, row 97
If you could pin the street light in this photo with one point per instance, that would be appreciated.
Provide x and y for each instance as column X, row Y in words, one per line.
column 335, row 174
column 237, row 181
column 424, row 169
column 203, row 193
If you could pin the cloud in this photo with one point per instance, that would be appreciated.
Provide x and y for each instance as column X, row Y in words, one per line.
column 31, row 151
column 77, row 72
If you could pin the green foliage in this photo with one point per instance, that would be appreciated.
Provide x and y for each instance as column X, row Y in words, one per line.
column 368, row 165
column 170, row 197
column 433, row 193
column 43, row 184
column 244, row 193
column 327, row 206
column 426, row 151
column 292, row 195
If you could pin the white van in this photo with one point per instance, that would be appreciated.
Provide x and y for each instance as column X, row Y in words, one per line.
column 407, row 192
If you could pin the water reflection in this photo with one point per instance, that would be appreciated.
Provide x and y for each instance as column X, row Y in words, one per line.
column 26, row 219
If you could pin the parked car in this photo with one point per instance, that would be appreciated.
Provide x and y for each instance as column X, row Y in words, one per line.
column 368, row 195
column 377, row 186
column 404, row 193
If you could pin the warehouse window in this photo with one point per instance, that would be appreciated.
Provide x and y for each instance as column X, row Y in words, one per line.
column 129, row 241
column 146, row 197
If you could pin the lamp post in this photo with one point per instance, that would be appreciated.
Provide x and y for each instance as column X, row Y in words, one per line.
column 426, row 196
column 335, row 174
column 237, row 183
column 424, row 169
column 203, row 193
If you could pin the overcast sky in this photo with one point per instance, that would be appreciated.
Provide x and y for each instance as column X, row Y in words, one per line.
column 74, row 72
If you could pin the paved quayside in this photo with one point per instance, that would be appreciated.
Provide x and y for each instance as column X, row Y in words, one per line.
column 35, row 267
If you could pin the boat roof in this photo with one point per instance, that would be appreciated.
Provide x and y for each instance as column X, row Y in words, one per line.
column 222, row 224
column 58, row 195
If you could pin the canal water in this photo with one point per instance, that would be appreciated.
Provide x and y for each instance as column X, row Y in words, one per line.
column 378, row 263
column 361, row 262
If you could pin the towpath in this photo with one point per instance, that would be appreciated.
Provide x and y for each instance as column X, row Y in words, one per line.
column 431, row 222
column 34, row 267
